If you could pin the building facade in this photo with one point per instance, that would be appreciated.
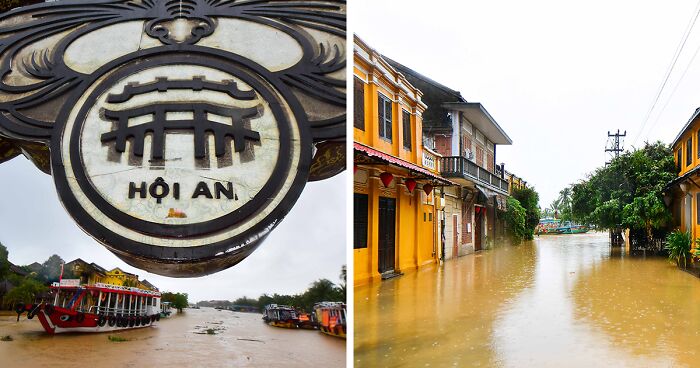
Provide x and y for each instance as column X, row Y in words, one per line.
column 683, row 193
column 395, row 212
column 466, row 137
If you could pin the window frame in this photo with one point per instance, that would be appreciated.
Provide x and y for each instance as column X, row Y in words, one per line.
column 384, row 124
column 689, row 151
column 407, row 143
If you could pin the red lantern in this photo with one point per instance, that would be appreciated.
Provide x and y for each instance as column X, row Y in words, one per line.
column 427, row 188
column 410, row 185
column 386, row 178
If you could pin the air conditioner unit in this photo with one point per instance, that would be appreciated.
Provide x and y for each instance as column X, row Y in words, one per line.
column 468, row 154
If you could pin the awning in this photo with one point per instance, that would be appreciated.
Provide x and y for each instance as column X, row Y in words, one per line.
column 488, row 193
column 389, row 159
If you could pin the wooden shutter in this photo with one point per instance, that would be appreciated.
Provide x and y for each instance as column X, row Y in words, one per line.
column 359, row 93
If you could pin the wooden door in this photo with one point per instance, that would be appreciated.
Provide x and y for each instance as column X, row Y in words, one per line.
column 455, row 236
column 387, row 234
column 478, row 226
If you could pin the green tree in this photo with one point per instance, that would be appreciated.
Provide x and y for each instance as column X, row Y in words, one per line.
column 515, row 217
column 628, row 192
column 25, row 292
column 177, row 300
column 4, row 263
column 528, row 199
column 51, row 268
column 343, row 281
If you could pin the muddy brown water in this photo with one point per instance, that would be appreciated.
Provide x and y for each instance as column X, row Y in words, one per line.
column 243, row 340
column 559, row 301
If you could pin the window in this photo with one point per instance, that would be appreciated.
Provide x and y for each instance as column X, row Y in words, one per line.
column 359, row 113
column 697, row 202
column 406, row 129
column 360, row 214
column 689, row 151
column 384, row 117
column 679, row 159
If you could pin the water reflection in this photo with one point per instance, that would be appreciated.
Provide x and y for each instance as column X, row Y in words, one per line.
column 440, row 316
column 558, row 301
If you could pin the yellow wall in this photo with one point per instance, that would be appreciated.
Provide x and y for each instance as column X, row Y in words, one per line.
column 414, row 236
column 690, row 187
column 692, row 133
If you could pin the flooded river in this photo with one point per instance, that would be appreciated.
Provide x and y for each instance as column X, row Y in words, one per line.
column 243, row 340
column 559, row 301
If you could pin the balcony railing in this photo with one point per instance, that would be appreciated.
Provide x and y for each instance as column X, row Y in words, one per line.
column 430, row 161
column 460, row 167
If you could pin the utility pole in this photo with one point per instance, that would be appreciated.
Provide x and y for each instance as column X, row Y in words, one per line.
column 614, row 146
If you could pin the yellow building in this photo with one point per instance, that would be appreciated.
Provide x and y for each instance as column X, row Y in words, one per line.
column 117, row 276
column 514, row 182
column 395, row 218
column 684, row 193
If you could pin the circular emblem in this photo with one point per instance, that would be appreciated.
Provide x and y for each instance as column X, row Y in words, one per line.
column 184, row 159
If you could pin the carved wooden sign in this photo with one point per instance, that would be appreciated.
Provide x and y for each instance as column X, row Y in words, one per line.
column 179, row 133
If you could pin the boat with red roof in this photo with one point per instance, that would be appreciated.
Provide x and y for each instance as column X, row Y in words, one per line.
column 94, row 308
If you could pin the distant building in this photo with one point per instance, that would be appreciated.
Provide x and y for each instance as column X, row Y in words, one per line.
column 466, row 137
column 88, row 273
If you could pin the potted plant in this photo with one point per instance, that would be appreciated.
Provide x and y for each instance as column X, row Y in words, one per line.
column 678, row 247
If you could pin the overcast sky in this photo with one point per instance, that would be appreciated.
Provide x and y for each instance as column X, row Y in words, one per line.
column 308, row 245
column 556, row 75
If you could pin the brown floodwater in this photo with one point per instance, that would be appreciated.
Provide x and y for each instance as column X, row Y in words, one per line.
column 242, row 340
column 558, row 301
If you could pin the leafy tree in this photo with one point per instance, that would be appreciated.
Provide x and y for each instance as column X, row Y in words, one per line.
column 26, row 291
column 344, row 281
column 528, row 199
column 245, row 301
column 628, row 192
column 4, row 263
column 177, row 300
column 515, row 220
column 51, row 268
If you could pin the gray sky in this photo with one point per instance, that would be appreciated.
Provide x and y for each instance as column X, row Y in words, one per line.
column 556, row 75
column 308, row 245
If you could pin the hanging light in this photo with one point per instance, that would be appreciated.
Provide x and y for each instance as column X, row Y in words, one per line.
column 410, row 185
column 427, row 188
column 386, row 178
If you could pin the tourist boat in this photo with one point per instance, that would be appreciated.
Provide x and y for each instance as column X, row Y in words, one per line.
column 94, row 308
column 306, row 321
column 569, row 228
column 280, row 316
column 331, row 318
column 547, row 226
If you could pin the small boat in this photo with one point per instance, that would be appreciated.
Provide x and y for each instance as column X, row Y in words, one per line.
column 280, row 316
column 165, row 309
column 94, row 308
column 306, row 321
column 569, row 228
column 331, row 317
column 547, row 226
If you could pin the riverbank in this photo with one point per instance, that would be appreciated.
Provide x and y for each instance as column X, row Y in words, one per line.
column 563, row 300
column 183, row 340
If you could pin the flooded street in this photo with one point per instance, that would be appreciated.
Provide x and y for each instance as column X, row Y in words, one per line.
column 558, row 301
column 243, row 340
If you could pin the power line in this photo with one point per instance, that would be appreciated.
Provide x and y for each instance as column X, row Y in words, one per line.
column 675, row 88
column 679, row 50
